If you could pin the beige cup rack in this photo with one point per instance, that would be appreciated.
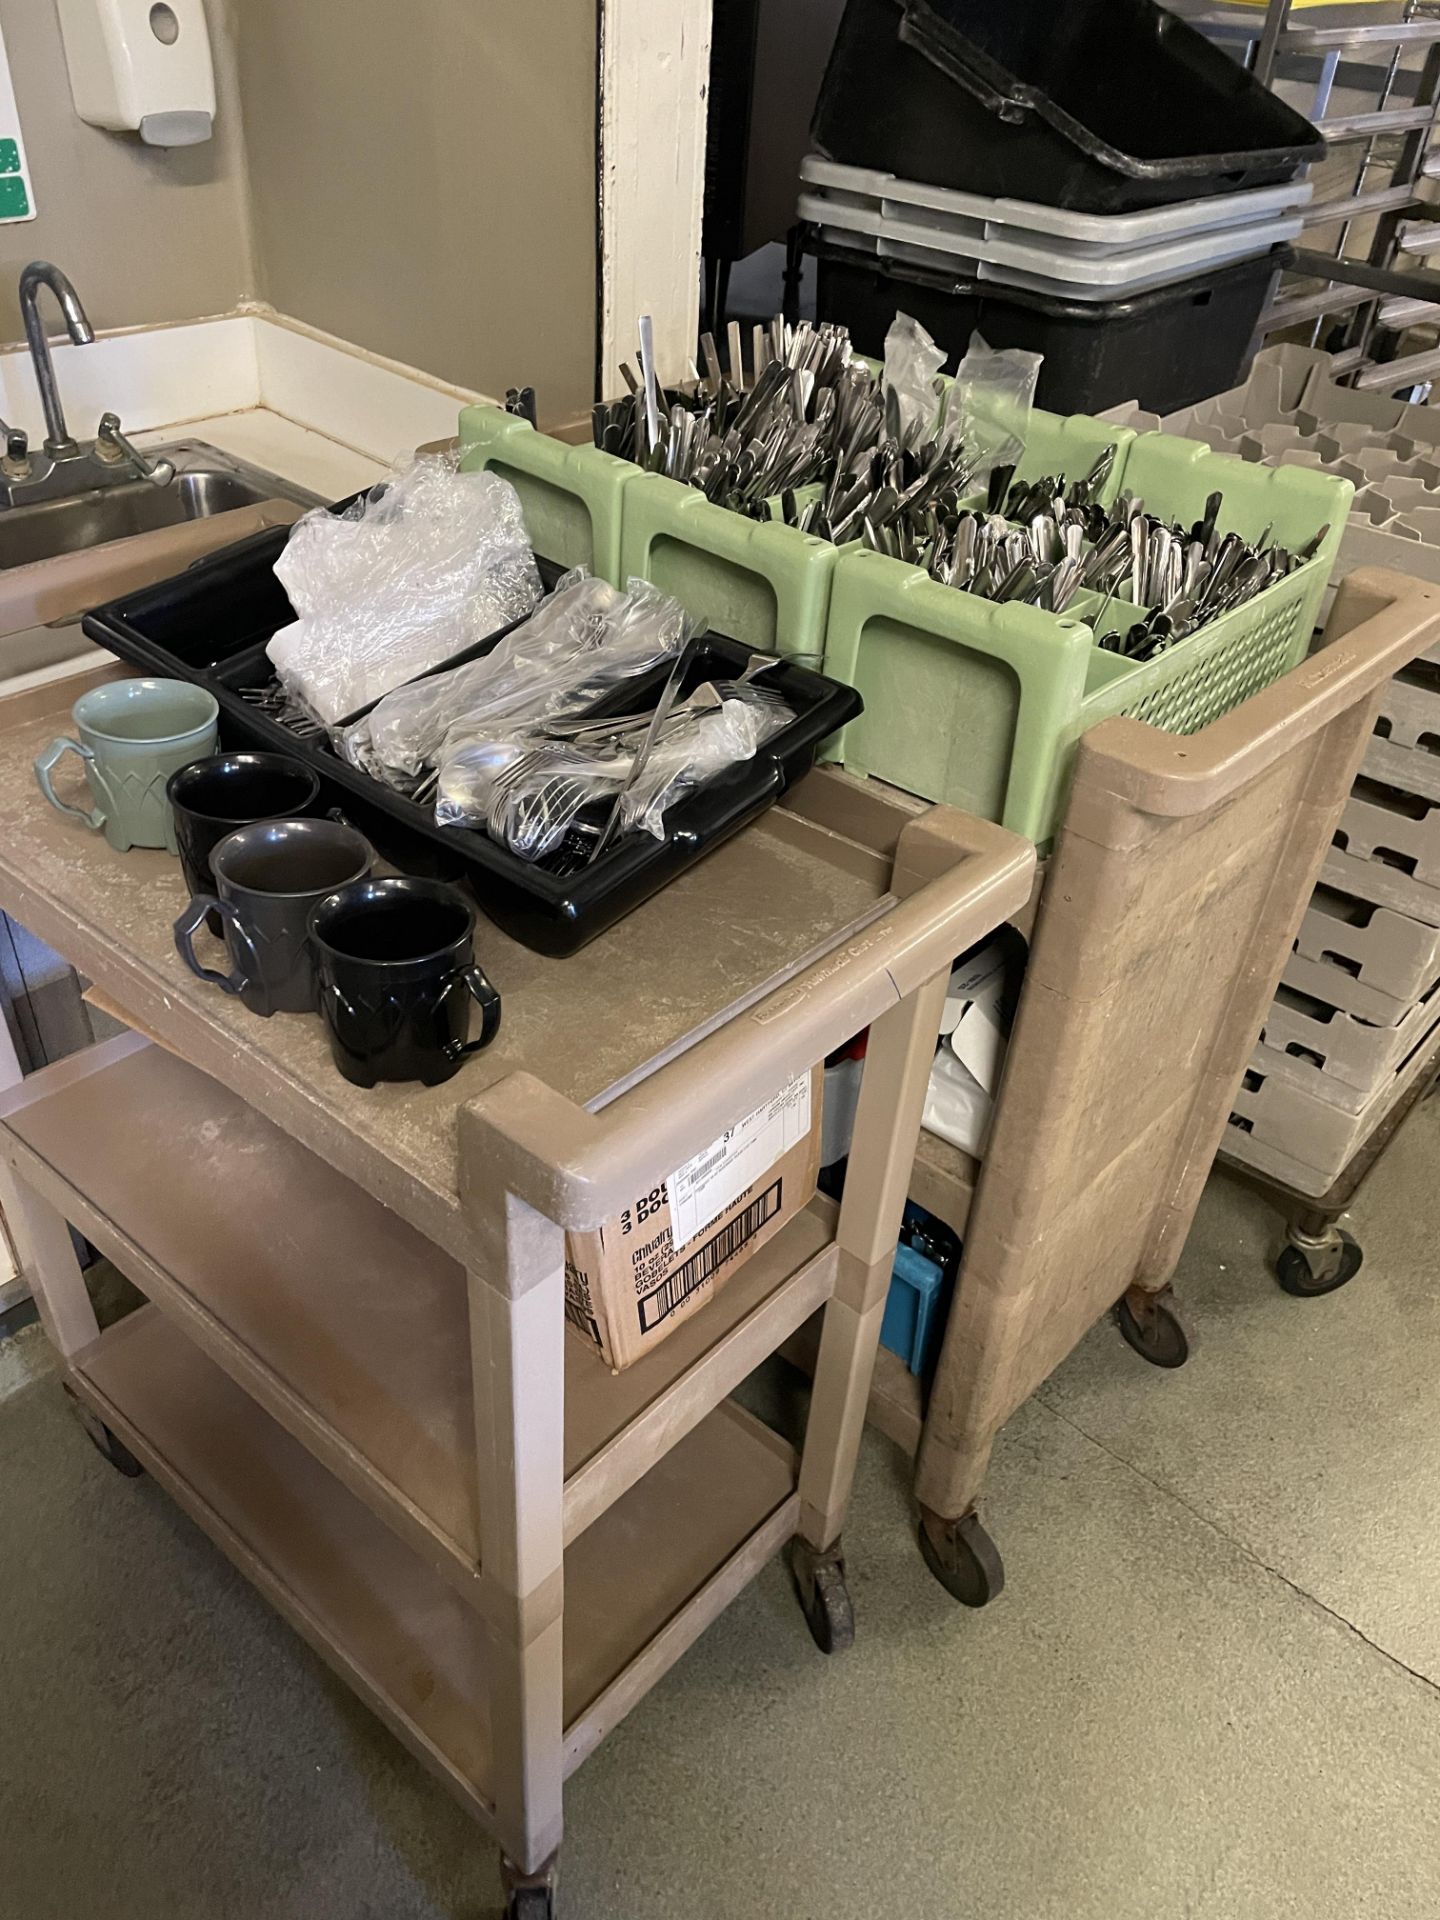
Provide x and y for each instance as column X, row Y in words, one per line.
column 353, row 1371
column 1352, row 1041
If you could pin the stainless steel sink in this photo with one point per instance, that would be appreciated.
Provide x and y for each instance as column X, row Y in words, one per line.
column 206, row 482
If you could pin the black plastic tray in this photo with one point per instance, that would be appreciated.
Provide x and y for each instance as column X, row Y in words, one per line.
column 206, row 625
column 1166, row 348
column 1100, row 106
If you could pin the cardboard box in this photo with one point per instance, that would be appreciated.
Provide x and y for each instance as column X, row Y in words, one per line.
column 640, row 1276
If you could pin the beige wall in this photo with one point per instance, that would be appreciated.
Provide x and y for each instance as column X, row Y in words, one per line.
column 423, row 181
column 146, row 234
column 416, row 177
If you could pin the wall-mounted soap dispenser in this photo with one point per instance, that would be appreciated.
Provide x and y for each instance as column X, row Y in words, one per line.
column 141, row 66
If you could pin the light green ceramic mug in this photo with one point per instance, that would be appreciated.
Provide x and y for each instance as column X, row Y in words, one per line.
column 133, row 735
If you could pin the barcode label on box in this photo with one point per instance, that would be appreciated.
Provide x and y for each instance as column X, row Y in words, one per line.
column 585, row 1323
column 678, row 1286
column 578, row 1304
column 716, row 1177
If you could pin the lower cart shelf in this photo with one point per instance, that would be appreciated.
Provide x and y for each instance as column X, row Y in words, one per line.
column 640, row 1585
column 897, row 1397
column 346, row 1324
column 897, row 1401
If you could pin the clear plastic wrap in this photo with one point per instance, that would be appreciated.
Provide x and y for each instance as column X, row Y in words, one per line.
column 707, row 739
column 401, row 581
column 912, row 364
column 642, row 628
column 403, row 733
column 528, row 790
column 990, row 404
column 585, row 640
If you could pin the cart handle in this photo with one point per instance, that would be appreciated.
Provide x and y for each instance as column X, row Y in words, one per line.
column 1379, row 623
column 960, row 878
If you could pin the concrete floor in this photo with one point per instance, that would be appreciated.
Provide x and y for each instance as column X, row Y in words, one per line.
column 1209, row 1692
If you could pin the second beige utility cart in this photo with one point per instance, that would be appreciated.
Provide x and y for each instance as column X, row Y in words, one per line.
column 353, row 1371
column 1167, row 911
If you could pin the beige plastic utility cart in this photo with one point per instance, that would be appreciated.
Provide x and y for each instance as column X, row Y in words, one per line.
column 1166, row 914
column 353, row 1371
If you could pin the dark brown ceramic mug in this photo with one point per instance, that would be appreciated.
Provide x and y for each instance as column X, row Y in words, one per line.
column 395, row 967
column 267, row 878
column 212, row 798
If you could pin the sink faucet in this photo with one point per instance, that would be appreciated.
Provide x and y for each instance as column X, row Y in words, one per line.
column 64, row 467
column 40, row 273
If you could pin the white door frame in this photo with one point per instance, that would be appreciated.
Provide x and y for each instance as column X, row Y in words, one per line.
column 654, row 80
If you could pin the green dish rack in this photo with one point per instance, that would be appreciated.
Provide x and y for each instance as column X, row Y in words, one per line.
column 759, row 581
column 572, row 497
column 768, row 584
column 980, row 705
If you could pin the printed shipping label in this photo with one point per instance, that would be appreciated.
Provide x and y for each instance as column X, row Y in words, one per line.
column 694, row 1272
column 715, row 1179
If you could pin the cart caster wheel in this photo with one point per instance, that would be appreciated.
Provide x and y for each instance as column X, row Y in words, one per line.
column 1308, row 1268
column 824, row 1597
column 531, row 1903
column 530, row 1896
column 1155, row 1330
column 109, row 1445
column 963, row 1558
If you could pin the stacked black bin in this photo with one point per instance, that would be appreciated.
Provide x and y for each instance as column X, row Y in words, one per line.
column 1098, row 106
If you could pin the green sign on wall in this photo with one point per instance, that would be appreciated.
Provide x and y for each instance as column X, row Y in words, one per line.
column 17, row 197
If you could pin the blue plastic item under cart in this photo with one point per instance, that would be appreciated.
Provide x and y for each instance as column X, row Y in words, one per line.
column 912, row 1307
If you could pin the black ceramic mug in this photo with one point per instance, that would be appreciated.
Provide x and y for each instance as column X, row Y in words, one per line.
column 267, row 878
column 211, row 798
column 395, row 967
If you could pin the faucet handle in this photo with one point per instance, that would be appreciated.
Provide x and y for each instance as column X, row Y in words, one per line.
column 16, row 461
column 111, row 444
